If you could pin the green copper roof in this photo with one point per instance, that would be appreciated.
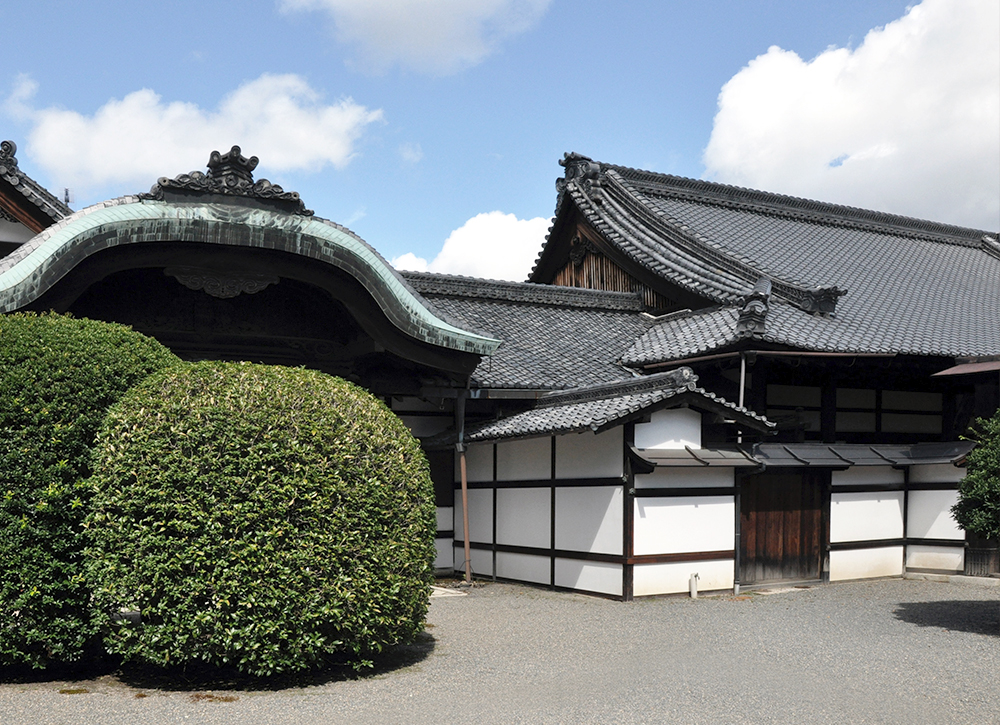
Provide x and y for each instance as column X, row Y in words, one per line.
column 38, row 264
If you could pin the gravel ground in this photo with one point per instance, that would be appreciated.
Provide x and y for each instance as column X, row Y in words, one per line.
column 894, row 651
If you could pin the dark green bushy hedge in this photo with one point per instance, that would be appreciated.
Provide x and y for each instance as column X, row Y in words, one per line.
column 58, row 377
column 978, row 507
column 261, row 517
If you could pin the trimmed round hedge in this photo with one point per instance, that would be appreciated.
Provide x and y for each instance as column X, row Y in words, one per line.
column 58, row 377
column 978, row 507
column 259, row 517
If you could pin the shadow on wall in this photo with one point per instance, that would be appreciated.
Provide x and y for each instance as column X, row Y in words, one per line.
column 978, row 617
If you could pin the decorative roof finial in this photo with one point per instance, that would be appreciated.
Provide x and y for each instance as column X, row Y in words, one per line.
column 753, row 315
column 229, row 174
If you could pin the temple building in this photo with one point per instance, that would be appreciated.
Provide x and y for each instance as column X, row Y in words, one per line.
column 698, row 385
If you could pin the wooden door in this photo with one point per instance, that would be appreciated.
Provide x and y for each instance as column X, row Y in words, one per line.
column 782, row 526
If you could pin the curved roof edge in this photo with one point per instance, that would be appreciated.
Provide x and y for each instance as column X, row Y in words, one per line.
column 42, row 261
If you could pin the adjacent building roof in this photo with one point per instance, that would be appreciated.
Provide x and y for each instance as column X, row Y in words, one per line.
column 43, row 207
column 841, row 279
column 841, row 455
column 551, row 337
column 599, row 407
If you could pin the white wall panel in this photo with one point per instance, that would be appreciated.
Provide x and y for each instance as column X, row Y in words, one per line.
column 673, row 428
column 478, row 463
column 930, row 516
column 866, row 563
column 589, row 518
column 446, row 516
column 649, row 579
column 480, row 515
column 526, row 460
column 589, row 576
column 867, row 475
column 684, row 523
column 524, row 567
column 683, row 477
column 936, row 473
column 445, row 558
column 861, row 516
column 945, row 558
column 524, row 517
column 482, row 561
column 586, row 455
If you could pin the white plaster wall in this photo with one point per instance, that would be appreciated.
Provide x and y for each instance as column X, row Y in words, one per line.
column 684, row 523
column 586, row 455
column 867, row 475
column 523, row 567
column 446, row 516
column 861, row 516
column 526, row 460
column 936, row 473
column 947, row 558
column 866, row 563
column 589, row 518
column 929, row 516
column 14, row 232
column 524, row 517
column 648, row 579
column 480, row 515
column 445, row 558
column 684, row 477
column 482, row 561
column 674, row 428
column 589, row 576
column 478, row 463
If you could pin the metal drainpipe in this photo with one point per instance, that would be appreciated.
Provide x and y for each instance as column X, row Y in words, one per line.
column 460, row 447
column 743, row 384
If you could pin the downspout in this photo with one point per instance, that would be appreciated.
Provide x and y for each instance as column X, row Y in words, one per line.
column 743, row 385
column 460, row 447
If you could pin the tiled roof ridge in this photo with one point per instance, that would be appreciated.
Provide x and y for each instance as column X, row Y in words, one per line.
column 429, row 283
column 765, row 202
column 47, row 202
column 680, row 379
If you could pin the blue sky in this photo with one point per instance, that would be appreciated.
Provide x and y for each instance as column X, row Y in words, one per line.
column 407, row 120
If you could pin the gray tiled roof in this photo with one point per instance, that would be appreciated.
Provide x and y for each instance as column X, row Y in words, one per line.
column 911, row 286
column 30, row 189
column 552, row 338
column 600, row 407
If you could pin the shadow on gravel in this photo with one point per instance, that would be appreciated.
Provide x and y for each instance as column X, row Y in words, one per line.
column 195, row 677
column 977, row 617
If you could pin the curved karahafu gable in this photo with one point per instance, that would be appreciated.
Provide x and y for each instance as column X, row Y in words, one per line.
column 40, row 263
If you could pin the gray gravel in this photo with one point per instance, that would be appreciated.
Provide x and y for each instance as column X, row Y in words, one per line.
column 870, row 652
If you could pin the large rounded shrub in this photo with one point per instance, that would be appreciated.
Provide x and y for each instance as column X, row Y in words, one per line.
column 58, row 377
column 261, row 517
column 978, row 507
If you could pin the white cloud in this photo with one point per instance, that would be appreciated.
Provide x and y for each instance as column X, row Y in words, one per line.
column 130, row 142
column 432, row 36
column 411, row 152
column 492, row 245
column 905, row 123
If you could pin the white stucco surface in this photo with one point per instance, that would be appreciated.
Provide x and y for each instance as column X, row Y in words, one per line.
column 482, row 561
column 446, row 516
column 480, row 515
column 524, row 517
column 672, row 578
column 589, row 518
column 866, row 563
column 589, row 576
column 670, row 429
column 589, row 455
column 936, row 473
column 862, row 516
column 670, row 525
column 526, row 460
column 684, row 477
column 524, row 567
column 929, row 515
column 944, row 558
column 445, row 553
column 478, row 463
